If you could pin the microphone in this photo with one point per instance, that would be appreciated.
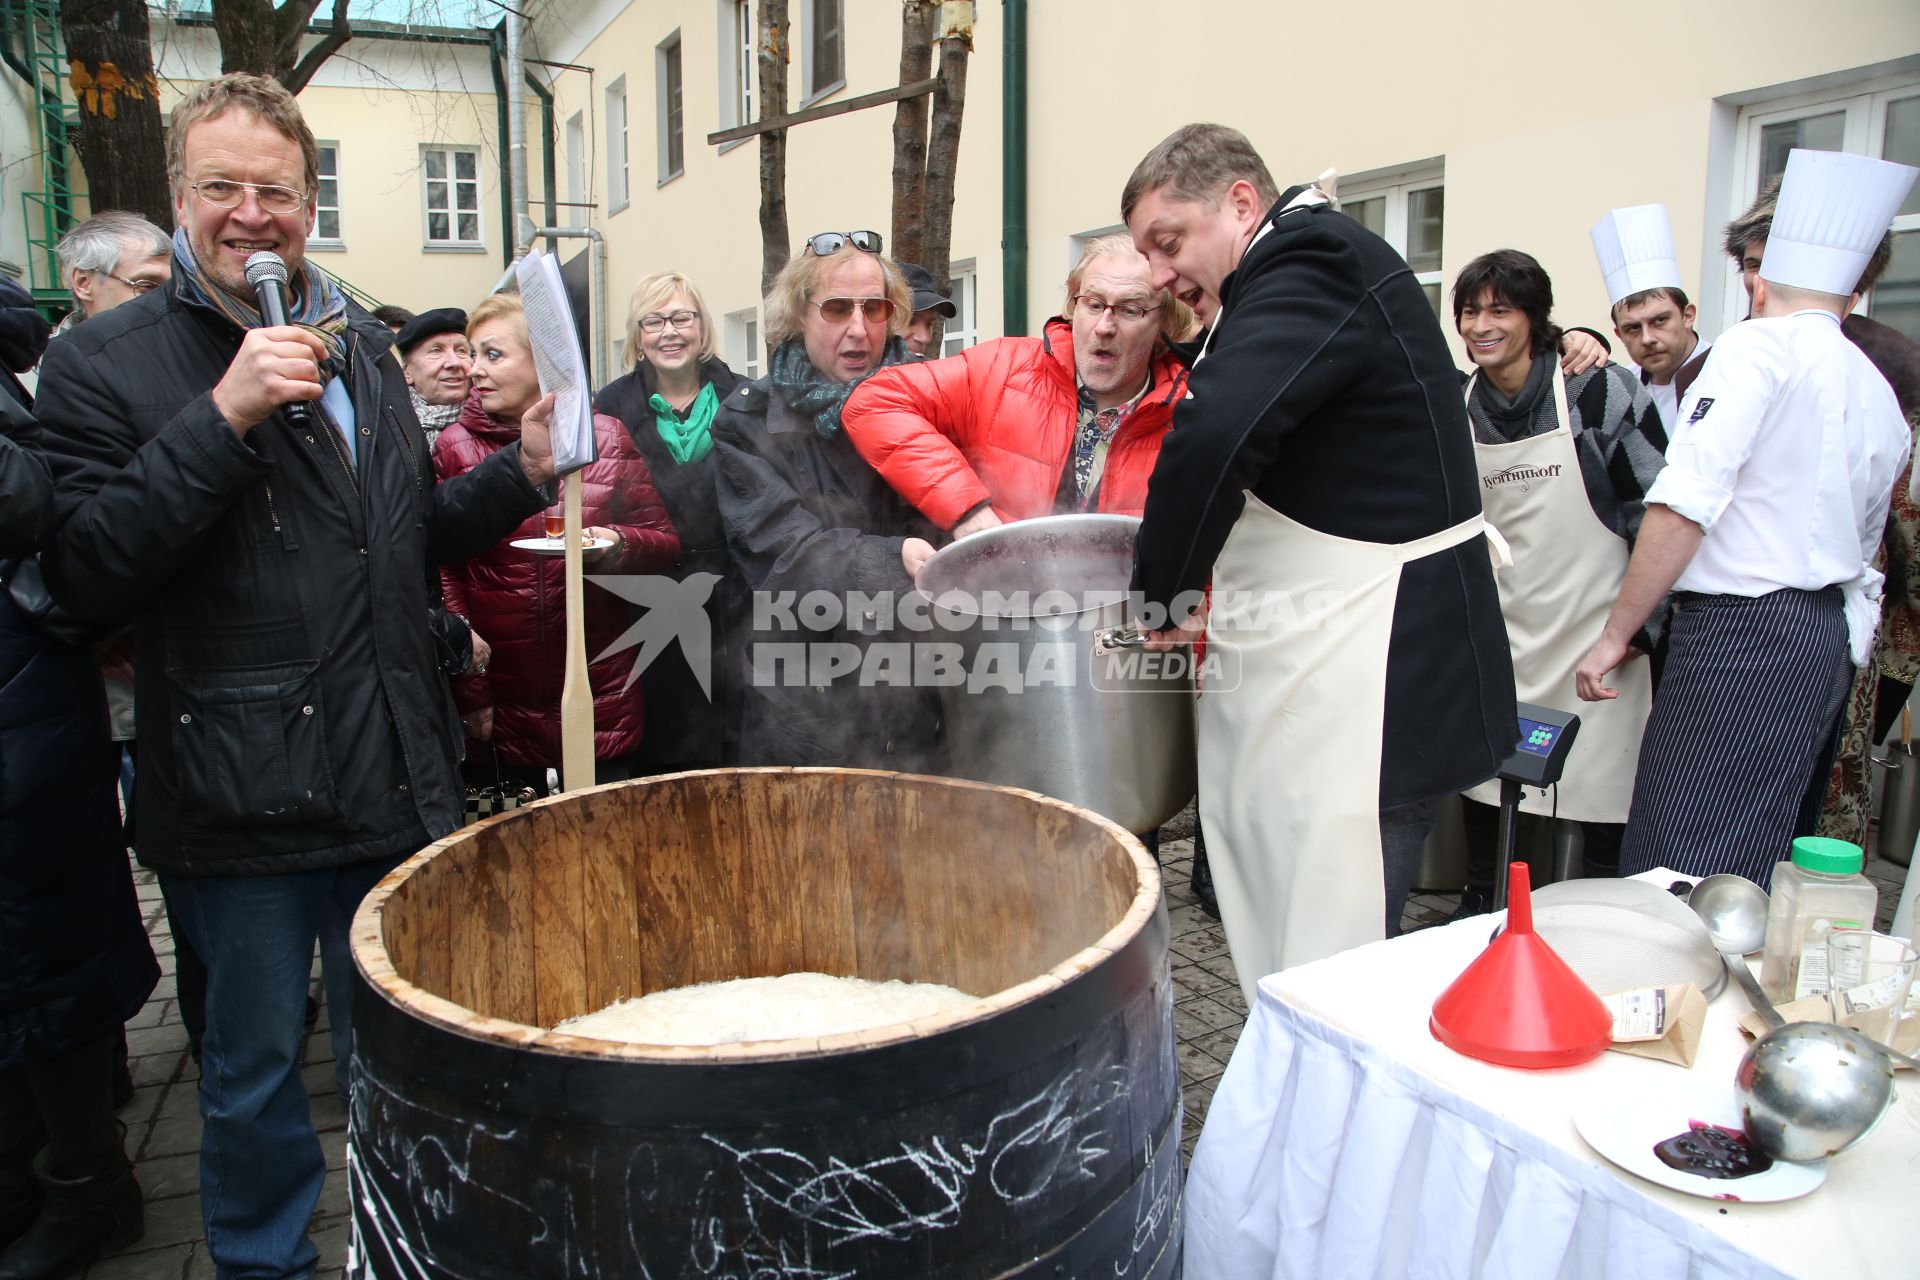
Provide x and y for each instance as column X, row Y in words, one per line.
column 267, row 273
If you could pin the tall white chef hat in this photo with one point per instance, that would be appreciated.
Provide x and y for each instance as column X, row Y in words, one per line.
column 1635, row 248
column 1833, row 209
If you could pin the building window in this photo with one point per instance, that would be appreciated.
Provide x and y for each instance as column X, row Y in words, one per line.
column 1407, row 209
column 671, row 120
column 452, row 189
column 826, row 63
column 326, row 198
column 577, row 159
column 743, row 343
column 962, row 331
column 618, row 188
column 737, row 63
column 1876, row 118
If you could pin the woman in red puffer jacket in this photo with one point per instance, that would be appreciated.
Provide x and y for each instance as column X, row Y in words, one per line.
column 516, row 598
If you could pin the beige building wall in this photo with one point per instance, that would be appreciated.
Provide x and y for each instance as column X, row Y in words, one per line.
column 1538, row 118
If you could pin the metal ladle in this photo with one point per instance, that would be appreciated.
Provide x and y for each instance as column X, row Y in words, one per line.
column 1808, row 1090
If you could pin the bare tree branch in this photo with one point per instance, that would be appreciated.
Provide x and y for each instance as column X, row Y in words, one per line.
column 338, row 33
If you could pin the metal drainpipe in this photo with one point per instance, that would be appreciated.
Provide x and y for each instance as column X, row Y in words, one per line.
column 1013, row 167
column 596, row 285
column 516, row 75
column 497, row 55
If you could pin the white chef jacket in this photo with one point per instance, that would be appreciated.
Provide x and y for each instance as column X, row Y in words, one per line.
column 1786, row 452
column 1667, row 399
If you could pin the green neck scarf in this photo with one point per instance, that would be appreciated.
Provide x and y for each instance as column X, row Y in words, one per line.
column 689, row 439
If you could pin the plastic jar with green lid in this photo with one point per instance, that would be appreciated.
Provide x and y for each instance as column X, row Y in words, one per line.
column 1818, row 890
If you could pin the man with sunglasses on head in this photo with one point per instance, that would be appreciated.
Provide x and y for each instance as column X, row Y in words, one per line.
column 1020, row 427
column 257, row 502
column 806, row 516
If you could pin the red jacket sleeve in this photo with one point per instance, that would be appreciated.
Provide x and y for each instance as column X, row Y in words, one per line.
column 470, row 692
column 912, row 423
column 633, row 509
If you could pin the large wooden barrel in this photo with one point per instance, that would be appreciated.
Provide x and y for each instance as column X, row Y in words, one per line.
column 1033, row 1133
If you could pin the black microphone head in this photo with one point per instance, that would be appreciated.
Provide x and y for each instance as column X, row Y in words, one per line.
column 264, row 266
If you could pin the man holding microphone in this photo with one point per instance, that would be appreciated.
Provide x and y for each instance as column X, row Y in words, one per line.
column 256, row 501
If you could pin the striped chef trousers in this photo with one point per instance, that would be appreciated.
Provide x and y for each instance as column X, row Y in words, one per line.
column 1743, row 722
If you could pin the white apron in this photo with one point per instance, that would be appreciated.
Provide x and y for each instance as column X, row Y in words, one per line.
column 1290, row 755
column 1555, row 596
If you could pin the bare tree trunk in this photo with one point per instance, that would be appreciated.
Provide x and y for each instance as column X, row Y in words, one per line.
column 110, row 60
column 908, row 243
column 257, row 37
column 773, row 55
column 943, row 159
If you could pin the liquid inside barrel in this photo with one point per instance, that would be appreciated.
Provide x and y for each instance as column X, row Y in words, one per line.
column 1033, row 1132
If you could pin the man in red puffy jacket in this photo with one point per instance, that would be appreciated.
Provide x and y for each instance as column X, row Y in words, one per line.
column 1021, row 427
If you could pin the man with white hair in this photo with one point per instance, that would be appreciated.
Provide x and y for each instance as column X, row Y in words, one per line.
column 112, row 258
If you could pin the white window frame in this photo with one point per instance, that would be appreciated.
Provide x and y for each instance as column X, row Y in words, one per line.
column 1395, row 186
column 669, row 107
column 964, row 328
column 619, row 149
column 744, row 351
column 322, row 243
column 1865, row 106
column 454, row 243
column 577, row 159
column 736, row 38
column 814, row 89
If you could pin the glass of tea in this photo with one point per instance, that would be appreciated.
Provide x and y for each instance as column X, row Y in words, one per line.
column 556, row 518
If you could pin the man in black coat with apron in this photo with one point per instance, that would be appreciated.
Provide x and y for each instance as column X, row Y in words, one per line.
column 1321, row 474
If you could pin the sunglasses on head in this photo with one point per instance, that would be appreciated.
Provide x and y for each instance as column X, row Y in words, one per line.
column 828, row 243
column 840, row 310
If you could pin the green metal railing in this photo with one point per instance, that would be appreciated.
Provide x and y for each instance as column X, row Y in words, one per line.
column 30, row 30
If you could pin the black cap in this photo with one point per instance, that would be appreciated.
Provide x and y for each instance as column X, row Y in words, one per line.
column 429, row 324
column 925, row 296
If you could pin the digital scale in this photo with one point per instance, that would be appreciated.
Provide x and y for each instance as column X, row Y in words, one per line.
column 1539, row 757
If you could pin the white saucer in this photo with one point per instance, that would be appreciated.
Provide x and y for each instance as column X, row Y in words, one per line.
column 558, row 546
column 1625, row 1131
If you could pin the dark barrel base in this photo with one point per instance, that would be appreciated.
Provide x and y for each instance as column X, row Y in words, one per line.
column 1043, row 1141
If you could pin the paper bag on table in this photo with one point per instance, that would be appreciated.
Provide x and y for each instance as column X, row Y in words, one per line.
column 1906, row 1037
column 1662, row 1023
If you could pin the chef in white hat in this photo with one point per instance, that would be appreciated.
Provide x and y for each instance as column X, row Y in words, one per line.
column 1764, row 525
column 1652, row 315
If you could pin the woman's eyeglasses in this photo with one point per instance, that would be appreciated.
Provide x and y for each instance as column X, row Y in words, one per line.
column 828, row 243
column 222, row 194
column 840, row 310
column 681, row 320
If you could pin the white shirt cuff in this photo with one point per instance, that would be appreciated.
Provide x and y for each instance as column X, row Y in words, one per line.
column 1698, row 499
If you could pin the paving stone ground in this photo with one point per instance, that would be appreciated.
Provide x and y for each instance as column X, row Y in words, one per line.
column 163, row 1120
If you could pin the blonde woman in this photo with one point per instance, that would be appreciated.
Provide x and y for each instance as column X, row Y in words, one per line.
column 667, row 402
column 805, row 514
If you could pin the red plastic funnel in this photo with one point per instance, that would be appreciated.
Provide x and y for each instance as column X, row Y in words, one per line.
column 1519, row 1004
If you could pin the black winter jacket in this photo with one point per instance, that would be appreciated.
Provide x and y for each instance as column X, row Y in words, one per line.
column 805, row 513
column 74, row 959
column 291, row 717
column 1329, row 394
column 684, row 725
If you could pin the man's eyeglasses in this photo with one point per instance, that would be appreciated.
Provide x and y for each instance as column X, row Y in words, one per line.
column 222, row 194
column 840, row 310
column 656, row 322
column 138, row 286
column 828, row 243
column 1132, row 312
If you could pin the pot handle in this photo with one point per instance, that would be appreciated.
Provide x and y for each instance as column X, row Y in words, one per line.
column 1119, row 638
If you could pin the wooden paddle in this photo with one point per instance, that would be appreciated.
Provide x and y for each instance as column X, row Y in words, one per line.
column 576, row 692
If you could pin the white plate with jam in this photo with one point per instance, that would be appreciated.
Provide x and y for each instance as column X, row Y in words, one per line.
column 1695, row 1143
column 558, row 546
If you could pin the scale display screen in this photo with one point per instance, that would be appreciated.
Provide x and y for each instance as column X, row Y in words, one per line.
column 1537, row 739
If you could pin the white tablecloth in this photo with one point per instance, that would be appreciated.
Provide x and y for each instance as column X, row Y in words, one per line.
column 1344, row 1141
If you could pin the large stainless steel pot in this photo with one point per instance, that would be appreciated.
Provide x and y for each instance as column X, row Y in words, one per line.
column 1047, row 704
